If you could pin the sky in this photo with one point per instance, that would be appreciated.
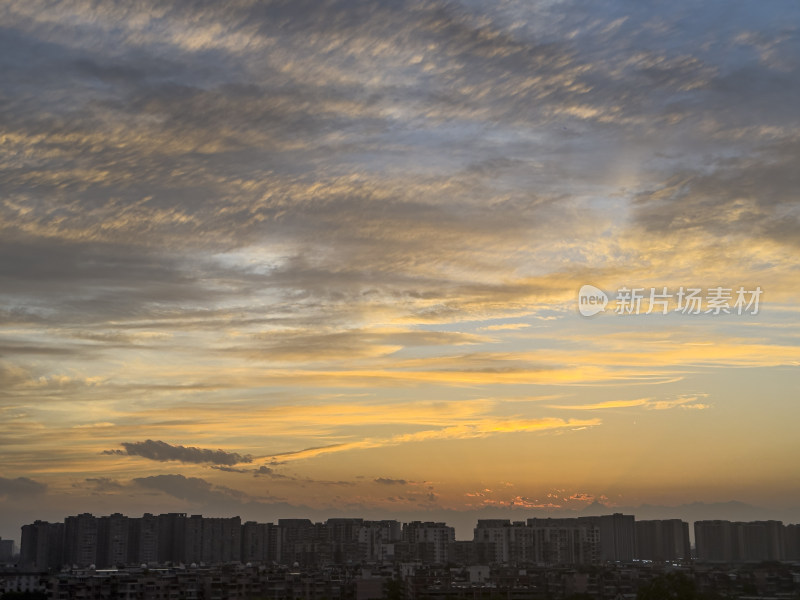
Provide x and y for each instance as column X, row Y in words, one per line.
column 322, row 258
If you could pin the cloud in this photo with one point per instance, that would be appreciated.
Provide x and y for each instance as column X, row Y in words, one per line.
column 325, row 482
column 217, row 498
column 580, row 497
column 748, row 197
column 162, row 451
column 21, row 487
column 389, row 481
column 602, row 405
column 258, row 472
column 310, row 452
column 101, row 484
column 505, row 327
column 293, row 346
column 192, row 489
column 230, row 469
column 269, row 472
column 467, row 429
column 685, row 402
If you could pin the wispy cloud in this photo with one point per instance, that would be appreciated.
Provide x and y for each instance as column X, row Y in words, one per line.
column 603, row 405
column 466, row 430
column 505, row 327
column 686, row 402
column 689, row 402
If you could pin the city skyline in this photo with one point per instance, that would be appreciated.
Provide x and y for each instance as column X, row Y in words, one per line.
column 176, row 538
column 287, row 258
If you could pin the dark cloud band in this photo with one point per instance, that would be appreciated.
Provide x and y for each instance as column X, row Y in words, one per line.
column 163, row 452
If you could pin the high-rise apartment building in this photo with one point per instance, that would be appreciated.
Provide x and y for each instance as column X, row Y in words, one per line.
column 738, row 542
column 662, row 540
column 42, row 546
column 617, row 536
column 80, row 540
column 429, row 541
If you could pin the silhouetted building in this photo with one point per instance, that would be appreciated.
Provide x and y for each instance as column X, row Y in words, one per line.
column 491, row 538
column 6, row 550
column 713, row 541
column 143, row 540
column 738, row 542
column 662, row 540
column 548, row 541
column 295, row 533
column 171, row 534
column 377, row 540
column 117, row 541
column 617, row 536
column 192, row 551
column 222, row 540
column 791, row 542
column 429, row 542
column 462, row 552
column 112, row 541
column 343, row 537
column 212, row 540
column 565, row 542
column 260, row 542
column 757, row 541
column 80, row 540
column 42, row 546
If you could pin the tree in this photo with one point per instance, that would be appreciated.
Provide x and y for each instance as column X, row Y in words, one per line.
column 671, row 586
column 394, row 589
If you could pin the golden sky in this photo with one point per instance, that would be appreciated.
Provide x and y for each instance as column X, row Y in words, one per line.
column 323, row 258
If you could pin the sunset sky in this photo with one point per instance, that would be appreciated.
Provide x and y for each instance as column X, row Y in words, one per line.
column 322, row 258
